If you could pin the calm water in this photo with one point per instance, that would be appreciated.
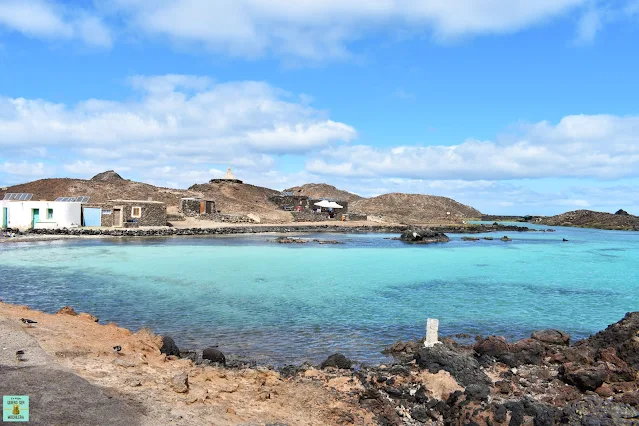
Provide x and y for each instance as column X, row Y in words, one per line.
column 290, row 303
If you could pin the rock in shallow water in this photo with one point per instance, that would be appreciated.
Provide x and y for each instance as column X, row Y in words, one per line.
column 169, row 347
column 423, row 236
column 214, row 355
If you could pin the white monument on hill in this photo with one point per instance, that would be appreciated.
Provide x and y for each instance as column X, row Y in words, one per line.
column 228, row 177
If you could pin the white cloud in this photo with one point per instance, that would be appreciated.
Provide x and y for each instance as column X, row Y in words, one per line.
column 176, row 119
column 23, row 168
column 50, row 20
column 322, row 29
column 600, row 146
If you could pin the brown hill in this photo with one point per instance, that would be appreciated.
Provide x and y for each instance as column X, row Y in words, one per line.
column 99, row 191
column 230, row 198
column 322, row 190
column 414, row 208
column 592, row 219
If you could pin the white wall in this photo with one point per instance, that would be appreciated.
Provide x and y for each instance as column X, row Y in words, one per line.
column 65, row 215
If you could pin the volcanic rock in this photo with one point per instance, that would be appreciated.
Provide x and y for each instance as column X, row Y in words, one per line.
column 338, row 361
column 552, row 337
column 423, row 236
column 108, row 176
column 169, row 347
column 464, row 368
column 214, row 355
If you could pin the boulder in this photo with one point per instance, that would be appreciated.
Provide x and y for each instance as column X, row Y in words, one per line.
column 214, row 355
column 464, row 368
column 527, row 351
column 623, row 336
column 338, row 361
column 583, row 378
column 169, row 347
column 423, row 236
column 493, row 346
column 67, row 310
column 506, row 238
column 552, row 337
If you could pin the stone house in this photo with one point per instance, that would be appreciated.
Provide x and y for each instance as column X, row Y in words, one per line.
column 127, row 213
column 194, row 207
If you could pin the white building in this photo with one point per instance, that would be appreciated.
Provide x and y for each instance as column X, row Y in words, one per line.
column 25, row 215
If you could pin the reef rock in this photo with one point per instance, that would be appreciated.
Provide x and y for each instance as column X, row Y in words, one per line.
column 423, row 236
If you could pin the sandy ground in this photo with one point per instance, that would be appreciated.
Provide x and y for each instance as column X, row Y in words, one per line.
column 75, row 356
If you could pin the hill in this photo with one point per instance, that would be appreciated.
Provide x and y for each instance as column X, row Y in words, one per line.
column 241, row 199
column 592, row 219
column 230, row 198
column 414, row 208
column 322, row 190
column 99, row 191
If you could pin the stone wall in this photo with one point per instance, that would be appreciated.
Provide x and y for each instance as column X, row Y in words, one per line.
column 309, row 216
column 226, row 218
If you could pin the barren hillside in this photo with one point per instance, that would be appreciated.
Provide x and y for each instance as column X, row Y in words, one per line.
column 414, row 208
column 99, row 191
column 322, row 190
column 591, row 219
column 241, row 198
column 230, row 198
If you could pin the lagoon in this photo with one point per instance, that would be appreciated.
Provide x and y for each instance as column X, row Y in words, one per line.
column 283, row 304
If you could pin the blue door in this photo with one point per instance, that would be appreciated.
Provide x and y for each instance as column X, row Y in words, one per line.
column 5, row 217
column 91, row 216
column 35, row 217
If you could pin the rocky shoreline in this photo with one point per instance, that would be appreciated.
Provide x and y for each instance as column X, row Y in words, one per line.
column 280, row 229
column 541, row 380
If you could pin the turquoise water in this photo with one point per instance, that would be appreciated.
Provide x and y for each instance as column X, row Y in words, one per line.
column 289, row 303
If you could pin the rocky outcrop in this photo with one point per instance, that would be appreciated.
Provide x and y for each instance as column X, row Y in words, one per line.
column 423, row 236
column 337, row 361
column 214, row 355
column 169, row 347
column 67, row 310
column 552, row 337
column 108, row 176
column 591, row 219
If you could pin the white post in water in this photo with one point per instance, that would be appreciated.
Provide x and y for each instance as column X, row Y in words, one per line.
column 432, row 326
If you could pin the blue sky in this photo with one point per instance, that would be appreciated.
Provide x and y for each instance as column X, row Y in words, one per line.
column 511, row 107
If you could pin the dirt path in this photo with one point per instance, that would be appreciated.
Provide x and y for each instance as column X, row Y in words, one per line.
column 56, row 394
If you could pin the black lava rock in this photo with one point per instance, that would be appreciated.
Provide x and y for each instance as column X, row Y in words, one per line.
column 169, row 347
column 337, row 361
column 464, row 368
column 214, row 355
